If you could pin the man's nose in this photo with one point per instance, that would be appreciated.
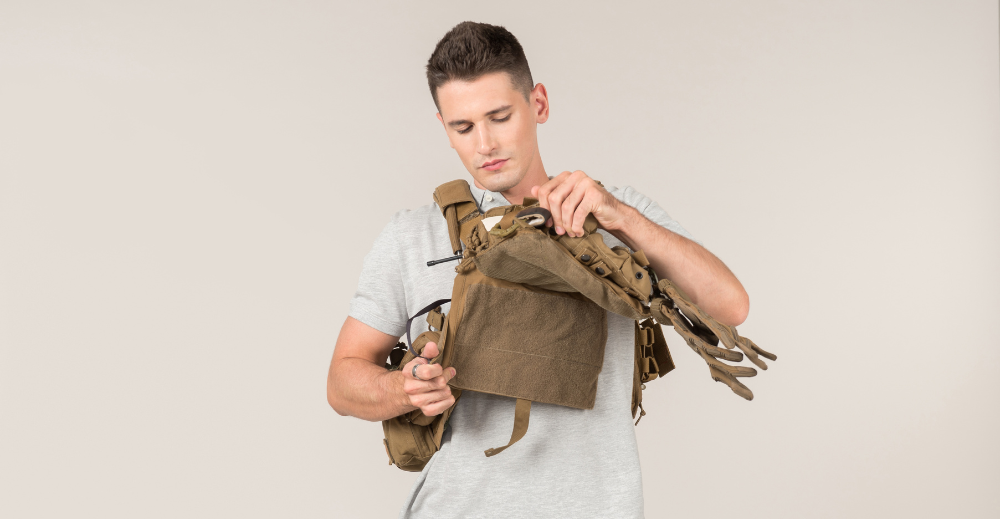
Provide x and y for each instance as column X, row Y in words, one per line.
column 486, row 142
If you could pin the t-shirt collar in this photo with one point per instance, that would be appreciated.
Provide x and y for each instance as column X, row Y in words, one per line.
column 487, row 199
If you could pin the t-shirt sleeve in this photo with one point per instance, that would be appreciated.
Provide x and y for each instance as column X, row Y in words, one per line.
column 380, row 301
column 650, row 209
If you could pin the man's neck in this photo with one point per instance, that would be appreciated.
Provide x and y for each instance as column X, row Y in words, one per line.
column 516, row 194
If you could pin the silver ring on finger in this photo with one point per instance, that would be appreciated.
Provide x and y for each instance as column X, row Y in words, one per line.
column 414, row 372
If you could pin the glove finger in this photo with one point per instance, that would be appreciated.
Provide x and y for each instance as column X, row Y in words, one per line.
column 760, row 351
column 742, row 371
column 730, row 355
column 736, row 371
column 752, row 355
column 744, row 344
column 735, row 385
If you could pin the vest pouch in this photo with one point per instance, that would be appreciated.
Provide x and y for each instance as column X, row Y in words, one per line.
column 412, row 438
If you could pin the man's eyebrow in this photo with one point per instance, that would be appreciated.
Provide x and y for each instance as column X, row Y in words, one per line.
column 494, row 111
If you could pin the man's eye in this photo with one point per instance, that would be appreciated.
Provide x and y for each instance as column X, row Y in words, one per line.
column 467, row 129
column 505, row 119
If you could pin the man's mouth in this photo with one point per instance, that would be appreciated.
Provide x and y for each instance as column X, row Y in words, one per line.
column 494, row 164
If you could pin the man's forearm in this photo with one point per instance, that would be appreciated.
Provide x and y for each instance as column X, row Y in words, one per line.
column 695, row 270
column 358, row 388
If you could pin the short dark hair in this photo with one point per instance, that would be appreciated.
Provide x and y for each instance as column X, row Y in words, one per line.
column 471, row 50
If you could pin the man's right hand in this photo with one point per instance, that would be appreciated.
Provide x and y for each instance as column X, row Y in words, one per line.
column 429, row 392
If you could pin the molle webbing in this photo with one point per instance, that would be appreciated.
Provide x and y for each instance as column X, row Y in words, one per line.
column 652, row 360
column 457, row 204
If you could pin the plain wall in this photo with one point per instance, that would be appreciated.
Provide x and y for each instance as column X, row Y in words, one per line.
column 188, row 189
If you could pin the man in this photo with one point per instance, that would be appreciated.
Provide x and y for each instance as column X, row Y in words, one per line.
column 571, row 463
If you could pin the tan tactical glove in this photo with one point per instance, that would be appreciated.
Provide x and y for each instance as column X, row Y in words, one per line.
column 702, row 333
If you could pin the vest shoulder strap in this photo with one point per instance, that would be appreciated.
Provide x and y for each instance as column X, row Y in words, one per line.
column 456, row 203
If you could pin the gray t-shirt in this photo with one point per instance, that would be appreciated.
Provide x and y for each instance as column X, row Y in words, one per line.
column 572, row 462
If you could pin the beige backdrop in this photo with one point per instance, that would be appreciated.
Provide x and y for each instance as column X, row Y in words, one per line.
column 188, row 188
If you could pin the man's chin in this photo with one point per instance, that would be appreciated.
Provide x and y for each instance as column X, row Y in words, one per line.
column 498, row 182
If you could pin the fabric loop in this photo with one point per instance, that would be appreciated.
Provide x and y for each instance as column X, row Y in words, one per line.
column 522, row 411
column 428, row 308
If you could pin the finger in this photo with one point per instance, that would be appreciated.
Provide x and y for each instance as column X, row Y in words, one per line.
column 427, row 372
column 438, row 407
column 425, row 399
column 556, row 199
column 430, row 351
column 408, row 368
column 543, row 191
column 585, row 207
column 572, row 205
column 411, row 372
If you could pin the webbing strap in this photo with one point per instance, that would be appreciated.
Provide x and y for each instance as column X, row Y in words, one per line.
column 522, row 411
column 428, row 308
column 449, row 216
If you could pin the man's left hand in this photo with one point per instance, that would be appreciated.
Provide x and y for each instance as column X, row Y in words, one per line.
column 571, row 196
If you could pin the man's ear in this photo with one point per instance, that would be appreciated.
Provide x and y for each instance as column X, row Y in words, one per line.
column 540, row 103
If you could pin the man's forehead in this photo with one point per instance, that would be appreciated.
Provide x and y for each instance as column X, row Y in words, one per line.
column 460, row 99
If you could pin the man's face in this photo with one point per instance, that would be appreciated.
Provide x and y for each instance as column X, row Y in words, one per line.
column 492, row 127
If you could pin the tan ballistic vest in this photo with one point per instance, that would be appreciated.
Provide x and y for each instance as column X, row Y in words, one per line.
column 528, row 320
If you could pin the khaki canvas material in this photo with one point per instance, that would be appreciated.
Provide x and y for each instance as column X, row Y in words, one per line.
column 533, row 355
column 543, row 298
column 579, row 265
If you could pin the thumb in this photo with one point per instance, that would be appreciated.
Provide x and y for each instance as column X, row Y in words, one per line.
column 430, row 351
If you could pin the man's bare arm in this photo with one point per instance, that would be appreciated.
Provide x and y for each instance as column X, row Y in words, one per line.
column 695, row 270
column 359, row 385
column 571, row 196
